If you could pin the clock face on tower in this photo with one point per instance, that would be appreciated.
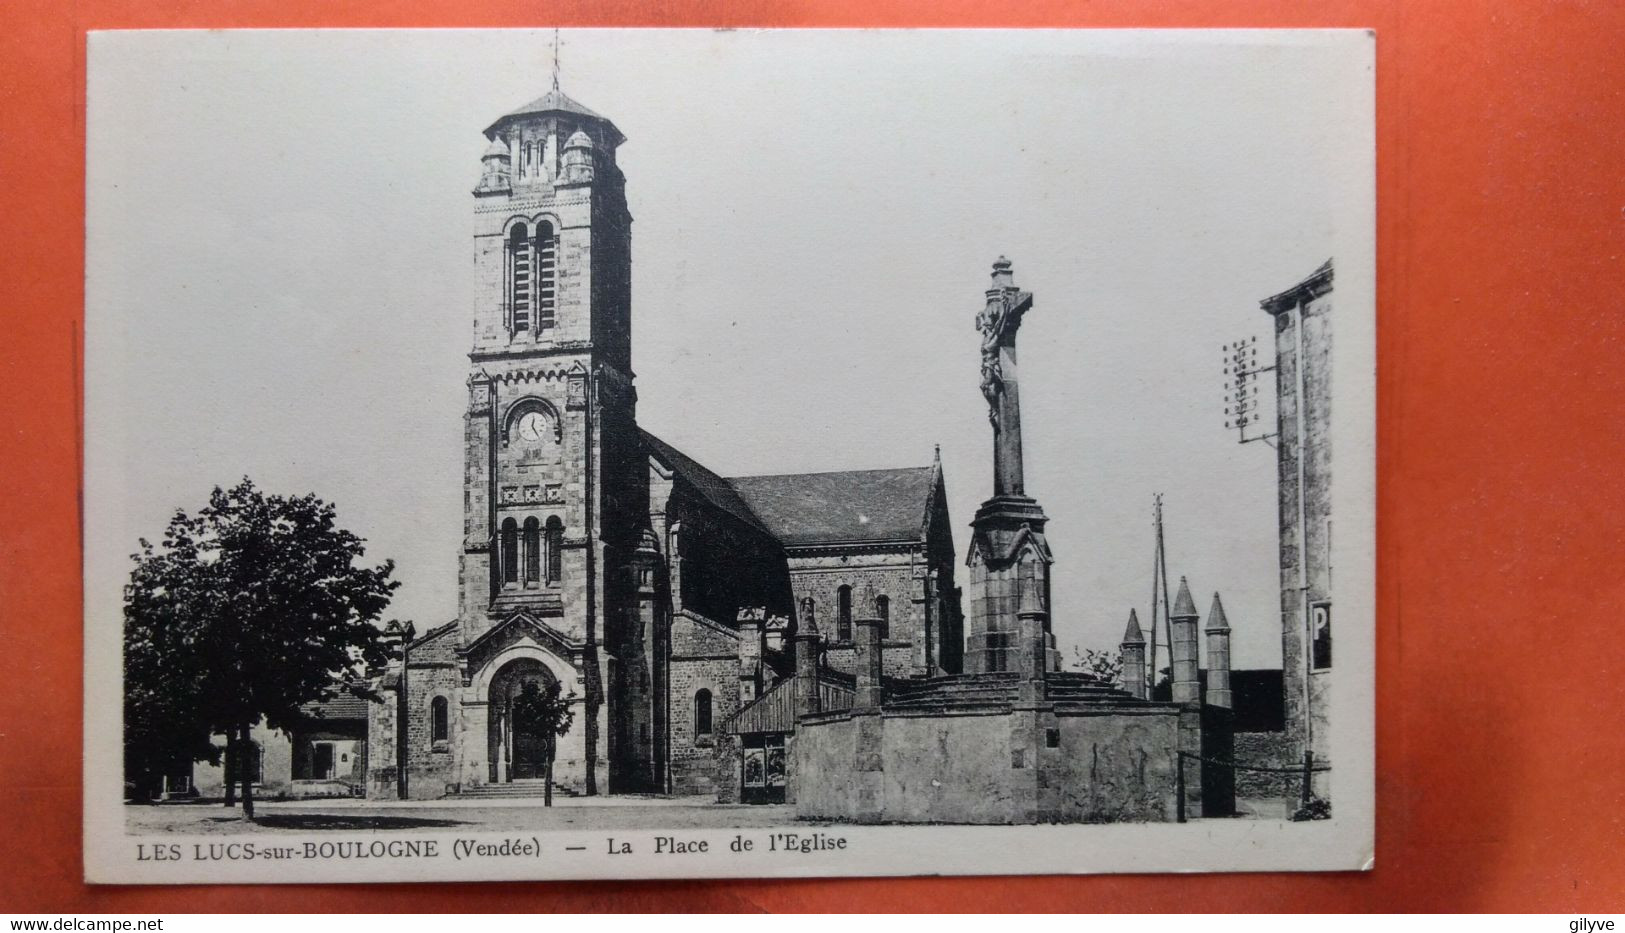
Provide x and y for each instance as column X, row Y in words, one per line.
column 531, row 425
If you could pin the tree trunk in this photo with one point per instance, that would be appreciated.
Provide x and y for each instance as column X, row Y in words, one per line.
column 547, row 788
column 248, row 778
column 231, row 768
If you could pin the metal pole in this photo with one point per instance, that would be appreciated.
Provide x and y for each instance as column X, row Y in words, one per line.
column 1167, row 605
column 403, row 709
column 1156, row 567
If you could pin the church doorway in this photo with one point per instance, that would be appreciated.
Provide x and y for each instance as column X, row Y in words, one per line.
column 516, row 754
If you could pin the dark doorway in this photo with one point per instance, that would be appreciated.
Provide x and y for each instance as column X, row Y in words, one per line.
column 516, row 754
column 762, row 768
column 529, row 756
column 322, row 765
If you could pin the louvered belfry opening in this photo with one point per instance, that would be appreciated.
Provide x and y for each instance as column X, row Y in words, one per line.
column 533, row 277
column 546, row 275
column 519, row 260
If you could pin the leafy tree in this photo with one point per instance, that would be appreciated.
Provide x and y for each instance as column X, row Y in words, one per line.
column 244, row 612
column 1105, row 665
column 542, row 711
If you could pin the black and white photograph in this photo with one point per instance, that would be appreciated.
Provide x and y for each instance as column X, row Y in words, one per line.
column 610, row 453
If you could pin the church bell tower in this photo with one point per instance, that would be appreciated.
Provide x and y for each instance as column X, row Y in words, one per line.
column 550, row 435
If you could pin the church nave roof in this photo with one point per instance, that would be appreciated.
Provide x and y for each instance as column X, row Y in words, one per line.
column 847, row 507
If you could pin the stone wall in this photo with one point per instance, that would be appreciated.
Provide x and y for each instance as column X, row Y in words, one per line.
column 967, row 767
column 431, row 765
column 947, row 769
column 897, row 659
column 276, row 765
column 704, row 657
column 1116, row 767
column 1268, row 750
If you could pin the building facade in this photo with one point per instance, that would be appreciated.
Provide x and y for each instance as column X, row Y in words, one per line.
column 1303, row 383
column 657, row 595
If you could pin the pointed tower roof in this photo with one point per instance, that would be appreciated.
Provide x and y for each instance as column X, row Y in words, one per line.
column 1132, row 635
column 497, row 150
column 1216, row 622
column 1184, row 606
column 555, row 101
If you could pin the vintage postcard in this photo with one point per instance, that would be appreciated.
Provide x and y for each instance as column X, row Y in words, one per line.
column 683, row 453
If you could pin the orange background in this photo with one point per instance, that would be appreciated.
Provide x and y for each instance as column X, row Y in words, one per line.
column 1501, row 480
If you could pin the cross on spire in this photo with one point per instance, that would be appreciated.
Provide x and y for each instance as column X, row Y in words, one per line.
column 555, row 58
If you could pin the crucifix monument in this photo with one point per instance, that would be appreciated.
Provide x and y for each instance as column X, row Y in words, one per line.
column 1008, row 531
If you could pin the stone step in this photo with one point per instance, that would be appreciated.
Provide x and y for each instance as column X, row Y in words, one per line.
column 515, row 789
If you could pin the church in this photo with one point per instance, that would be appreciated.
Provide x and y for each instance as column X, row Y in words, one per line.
column 661, row 597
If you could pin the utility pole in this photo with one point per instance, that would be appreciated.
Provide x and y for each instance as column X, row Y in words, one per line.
column 403, row 706
column 1159, row 596
column 1241, row 372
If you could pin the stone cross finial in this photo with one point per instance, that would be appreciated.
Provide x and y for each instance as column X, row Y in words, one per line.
column 868, row 601
column 808, row 625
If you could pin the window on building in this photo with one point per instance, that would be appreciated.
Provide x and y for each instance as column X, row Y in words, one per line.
column 883, row 610
column 533, row 550
column 702, row 712
column 522, row 282
column 510, row 551
column 546, row 275
column 439, row 720
column 843, row 614
column 1320, row 630
column 555, row 549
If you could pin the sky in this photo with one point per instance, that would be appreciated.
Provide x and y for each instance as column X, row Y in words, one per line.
column 280, row 277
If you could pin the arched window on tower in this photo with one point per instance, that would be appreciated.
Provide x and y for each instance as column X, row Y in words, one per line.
column 521, row 286
column 883, row 610
column 510, row 551
column 702, row 712
column 555, row 549
column 546, row 275
column 533, row 550
column 528, row 165
column 439, row 720
column 843, row 613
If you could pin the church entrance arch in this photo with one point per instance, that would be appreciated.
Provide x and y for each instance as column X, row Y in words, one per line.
column 516, row 754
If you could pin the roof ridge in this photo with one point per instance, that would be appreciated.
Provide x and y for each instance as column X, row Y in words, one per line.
column 908, row 469
column 435, row 632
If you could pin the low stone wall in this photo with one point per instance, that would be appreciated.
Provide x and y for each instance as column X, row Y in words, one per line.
column 1117, row 767
column 988, row 766
column 946, row 769
column 1267, row 750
